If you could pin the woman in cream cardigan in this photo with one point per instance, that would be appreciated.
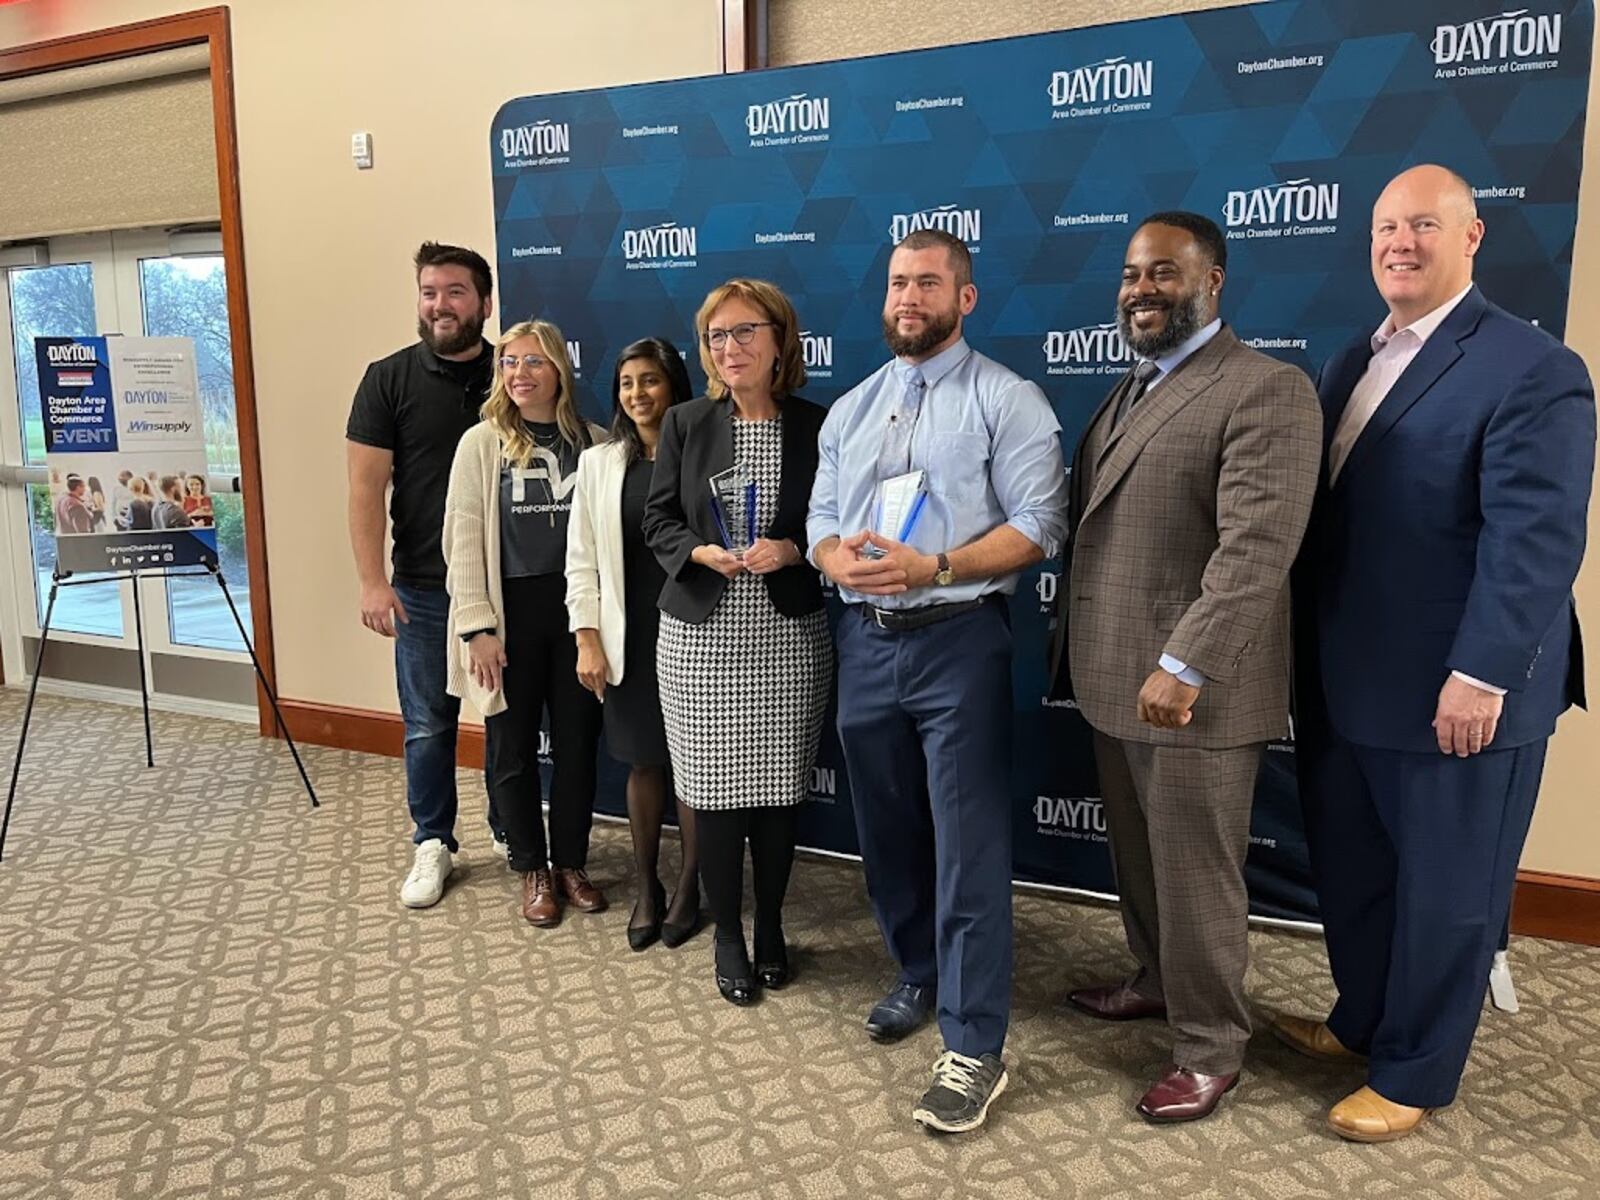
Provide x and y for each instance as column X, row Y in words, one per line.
column 505, row 546
column 613, row 583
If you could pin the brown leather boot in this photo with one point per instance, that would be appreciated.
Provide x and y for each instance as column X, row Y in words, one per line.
column 572, row 884
column 539, row 904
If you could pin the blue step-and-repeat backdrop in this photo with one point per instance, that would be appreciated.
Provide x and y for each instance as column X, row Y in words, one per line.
column 618, row 209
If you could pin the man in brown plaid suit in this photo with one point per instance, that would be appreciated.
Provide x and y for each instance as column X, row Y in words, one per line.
column 1190, row 492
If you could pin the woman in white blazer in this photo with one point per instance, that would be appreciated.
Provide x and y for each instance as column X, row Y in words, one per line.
column 613, row 583
column 505, row 549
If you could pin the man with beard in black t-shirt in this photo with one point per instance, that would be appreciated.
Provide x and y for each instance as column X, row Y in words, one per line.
column 409, row 412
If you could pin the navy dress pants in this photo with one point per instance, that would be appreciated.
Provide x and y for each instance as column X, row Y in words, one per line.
column 925, row 722
column 1414, row 858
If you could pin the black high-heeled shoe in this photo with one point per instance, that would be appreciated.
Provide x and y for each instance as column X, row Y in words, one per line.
column 675, row 934
column 642, row 937
column 772, row 960
column 733, row 974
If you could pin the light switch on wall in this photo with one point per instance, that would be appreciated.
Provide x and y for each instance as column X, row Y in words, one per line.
column 361, row 150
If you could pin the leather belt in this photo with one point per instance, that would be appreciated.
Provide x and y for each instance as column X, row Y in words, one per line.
column 897, row 620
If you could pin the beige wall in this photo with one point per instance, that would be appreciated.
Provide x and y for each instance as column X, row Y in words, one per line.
column 327, row 246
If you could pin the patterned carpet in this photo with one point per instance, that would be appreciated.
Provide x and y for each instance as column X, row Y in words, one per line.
column 208, row 991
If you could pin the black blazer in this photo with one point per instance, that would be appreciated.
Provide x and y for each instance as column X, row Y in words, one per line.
column 696, row 443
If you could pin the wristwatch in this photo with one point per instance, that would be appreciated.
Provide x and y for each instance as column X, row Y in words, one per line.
column 944, row 576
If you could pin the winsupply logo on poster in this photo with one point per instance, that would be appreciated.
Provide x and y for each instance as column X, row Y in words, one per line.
column 1081, row 818
column 1087, row 350
column 964, row 223
column 1115, row 85
column 660, row 247
column 1517, row 40
column 1296, row 208
column 816, row 352
column 542, row 144
column 795, row 120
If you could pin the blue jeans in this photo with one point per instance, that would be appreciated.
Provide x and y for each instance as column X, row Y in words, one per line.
column 429, row 712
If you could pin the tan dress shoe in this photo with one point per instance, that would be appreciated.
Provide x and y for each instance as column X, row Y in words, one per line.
column 1312, row 1038
column 539, row 904
column 1365, row 1116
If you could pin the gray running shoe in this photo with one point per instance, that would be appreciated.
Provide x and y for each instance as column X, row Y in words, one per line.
column 961, row 1092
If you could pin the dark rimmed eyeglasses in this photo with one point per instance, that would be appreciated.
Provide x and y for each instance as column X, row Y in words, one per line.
column 741, row 333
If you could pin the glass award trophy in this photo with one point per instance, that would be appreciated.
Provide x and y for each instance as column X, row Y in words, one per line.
column 896, row 508
column 733, row 505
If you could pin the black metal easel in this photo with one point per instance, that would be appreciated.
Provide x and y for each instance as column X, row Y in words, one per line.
column 60, row 579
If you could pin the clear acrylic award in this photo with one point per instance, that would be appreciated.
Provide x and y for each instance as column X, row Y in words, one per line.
column 896, row 508
column 733, row 505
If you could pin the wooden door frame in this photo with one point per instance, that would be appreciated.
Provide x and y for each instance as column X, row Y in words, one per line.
column 208, row 27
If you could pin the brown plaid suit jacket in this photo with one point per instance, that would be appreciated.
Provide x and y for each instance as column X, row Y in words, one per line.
column 1184, row 522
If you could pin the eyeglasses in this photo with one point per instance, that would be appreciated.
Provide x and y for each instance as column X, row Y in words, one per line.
column 741, row 333
column 533, row 362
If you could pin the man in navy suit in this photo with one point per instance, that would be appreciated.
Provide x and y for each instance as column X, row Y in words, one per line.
column 1437, row 643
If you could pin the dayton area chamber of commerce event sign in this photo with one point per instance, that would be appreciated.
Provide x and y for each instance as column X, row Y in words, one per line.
column 125, row 449
column 618, row 209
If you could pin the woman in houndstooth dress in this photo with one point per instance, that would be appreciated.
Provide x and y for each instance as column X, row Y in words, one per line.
column 744, row 656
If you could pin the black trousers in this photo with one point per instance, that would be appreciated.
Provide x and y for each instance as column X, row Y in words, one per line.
column 542, row 676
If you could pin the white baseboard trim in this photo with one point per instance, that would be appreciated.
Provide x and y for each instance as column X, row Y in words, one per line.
column 221, row 710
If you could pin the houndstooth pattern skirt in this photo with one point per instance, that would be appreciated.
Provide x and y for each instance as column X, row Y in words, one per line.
column 744, row 693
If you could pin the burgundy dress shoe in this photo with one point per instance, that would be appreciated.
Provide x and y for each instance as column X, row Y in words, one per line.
column 573, row 886
column 1116, row 1002
column 1184, row 1095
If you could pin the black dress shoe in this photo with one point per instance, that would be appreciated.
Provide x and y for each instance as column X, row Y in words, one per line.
column 772, row 960
column 899, row 1013
column 674, row 935
column 642, row 937
column 733, row 973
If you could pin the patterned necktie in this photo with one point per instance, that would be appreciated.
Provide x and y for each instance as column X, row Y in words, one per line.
column 894, row 456
column 1143, row 373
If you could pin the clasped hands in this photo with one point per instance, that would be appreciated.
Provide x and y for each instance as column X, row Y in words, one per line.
column 899, row 568
column 762, row 557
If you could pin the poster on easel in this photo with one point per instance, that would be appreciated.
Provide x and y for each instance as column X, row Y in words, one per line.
column 125, row 449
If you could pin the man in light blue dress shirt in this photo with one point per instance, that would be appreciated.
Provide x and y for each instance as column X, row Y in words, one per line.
column 925, row 655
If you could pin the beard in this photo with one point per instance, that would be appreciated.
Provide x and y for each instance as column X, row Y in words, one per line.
column 469, row 330
column 1185, row 318
column 937, row 327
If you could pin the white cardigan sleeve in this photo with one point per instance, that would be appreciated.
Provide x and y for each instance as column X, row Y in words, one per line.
column 583, row 560
column 466, row 561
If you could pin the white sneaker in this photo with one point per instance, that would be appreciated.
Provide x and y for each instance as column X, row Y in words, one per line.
column 424, row 887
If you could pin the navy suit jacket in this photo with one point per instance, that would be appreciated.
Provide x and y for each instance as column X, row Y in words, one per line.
column 1452, row 537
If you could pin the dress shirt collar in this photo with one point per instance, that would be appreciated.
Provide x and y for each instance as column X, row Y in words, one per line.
column 936, row 368
column 1423, row 327
column 1171, row 361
